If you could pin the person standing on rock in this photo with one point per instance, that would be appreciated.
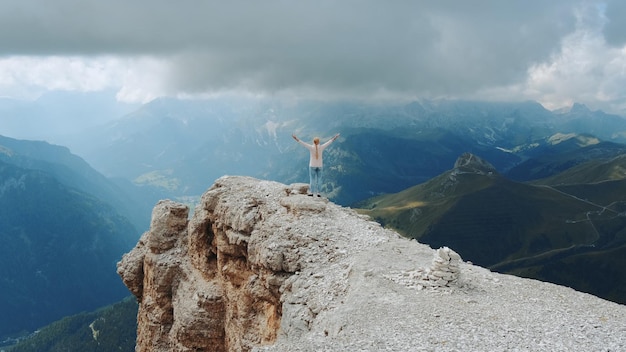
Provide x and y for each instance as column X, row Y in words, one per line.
column 315, row 162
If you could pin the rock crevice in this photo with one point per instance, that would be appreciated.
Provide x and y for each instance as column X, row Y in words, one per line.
column 207, row 283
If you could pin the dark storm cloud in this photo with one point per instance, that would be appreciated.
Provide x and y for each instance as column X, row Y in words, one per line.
column 615, row 29
column 338, row 47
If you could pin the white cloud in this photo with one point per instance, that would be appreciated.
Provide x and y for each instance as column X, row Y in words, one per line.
column 585, row 69
column 138, row 79
column 615, row 29
column 143, row 80
column 32, row 75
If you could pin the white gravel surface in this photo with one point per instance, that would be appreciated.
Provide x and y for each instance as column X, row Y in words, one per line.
column 357, row 292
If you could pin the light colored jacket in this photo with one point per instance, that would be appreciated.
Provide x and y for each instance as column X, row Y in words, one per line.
column 316, row 160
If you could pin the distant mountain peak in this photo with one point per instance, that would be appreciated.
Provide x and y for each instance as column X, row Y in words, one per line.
column 471, row 163
column 576, row 108
column 579, row 107
column 581, row 140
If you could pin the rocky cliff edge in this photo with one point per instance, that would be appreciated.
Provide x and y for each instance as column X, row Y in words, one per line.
column 260, row 266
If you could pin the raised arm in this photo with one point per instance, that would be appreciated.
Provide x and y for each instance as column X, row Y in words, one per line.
column 331, row 140
column 301, row 142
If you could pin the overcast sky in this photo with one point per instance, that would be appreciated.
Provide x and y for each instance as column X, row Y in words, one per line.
column 555, row 52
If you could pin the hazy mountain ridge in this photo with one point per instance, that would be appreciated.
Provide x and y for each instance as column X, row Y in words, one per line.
column 181, row 146
column 60, row 244
column 75, row 172
column 600, row 170
column 55, row 116
column 551, row 158
column 383, row 149
column 528, row 230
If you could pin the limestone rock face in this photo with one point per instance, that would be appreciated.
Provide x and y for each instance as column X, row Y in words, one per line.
column 260, row 266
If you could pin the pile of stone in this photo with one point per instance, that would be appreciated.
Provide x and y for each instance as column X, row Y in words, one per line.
column 444, row 272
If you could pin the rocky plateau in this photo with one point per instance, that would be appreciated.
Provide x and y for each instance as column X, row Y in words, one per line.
column 260, row 266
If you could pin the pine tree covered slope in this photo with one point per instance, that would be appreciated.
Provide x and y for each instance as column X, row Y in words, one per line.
column 112, row 328
column 60, row 246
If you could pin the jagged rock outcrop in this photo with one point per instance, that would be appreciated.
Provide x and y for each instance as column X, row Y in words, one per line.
column 262, row 267
column 469, row 162
column 465, row 164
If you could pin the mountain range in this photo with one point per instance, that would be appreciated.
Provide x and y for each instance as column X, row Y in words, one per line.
column 60, row 238
column 71, row 170
column 548, row 229
column 179, row 147
column 541, row 166
column 175, row 148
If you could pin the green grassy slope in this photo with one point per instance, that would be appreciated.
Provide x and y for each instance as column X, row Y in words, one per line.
column 59, row 250
column 531, row 230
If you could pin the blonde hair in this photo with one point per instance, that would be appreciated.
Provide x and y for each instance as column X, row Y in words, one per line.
column 316, row 141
